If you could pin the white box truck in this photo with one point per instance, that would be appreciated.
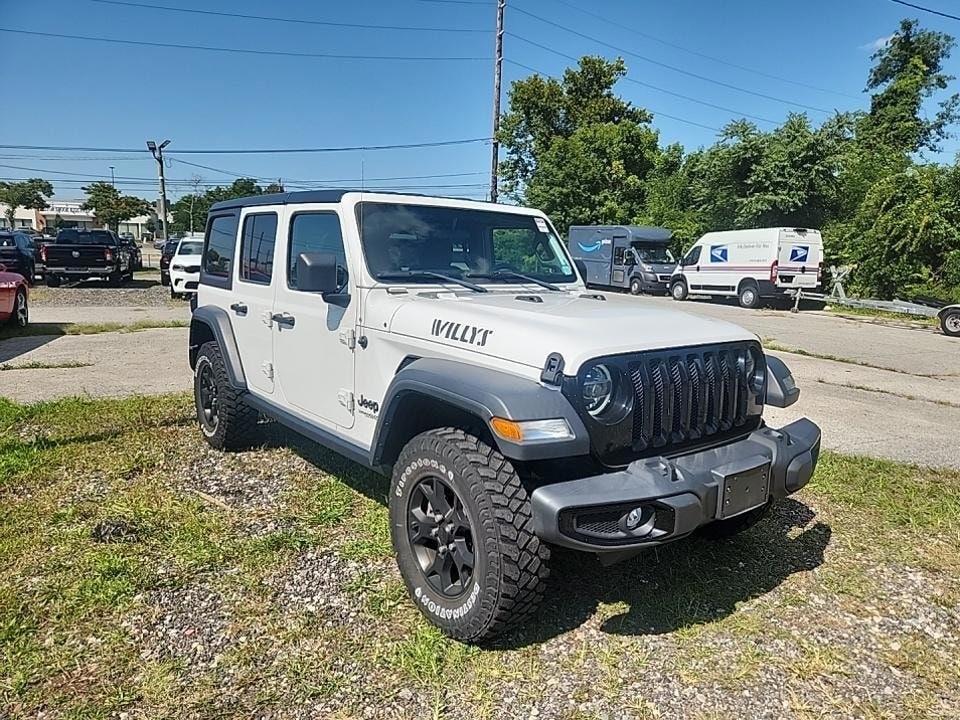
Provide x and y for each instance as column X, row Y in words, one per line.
column 751, row 265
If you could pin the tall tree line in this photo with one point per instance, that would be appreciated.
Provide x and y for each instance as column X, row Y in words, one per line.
column 577, row 150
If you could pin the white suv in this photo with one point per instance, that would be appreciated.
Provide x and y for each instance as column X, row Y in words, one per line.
column 185, row 267
column 453, row 346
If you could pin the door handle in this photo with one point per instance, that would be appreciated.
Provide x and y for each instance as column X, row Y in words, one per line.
column 284, row 320
column 239, row 308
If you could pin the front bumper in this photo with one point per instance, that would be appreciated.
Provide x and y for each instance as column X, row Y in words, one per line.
column 182, row 282
column 677, row 495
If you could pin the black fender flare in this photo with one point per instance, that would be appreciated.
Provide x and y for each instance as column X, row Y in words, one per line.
column 483, row 393
column 212, row 322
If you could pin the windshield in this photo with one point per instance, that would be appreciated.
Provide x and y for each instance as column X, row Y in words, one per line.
column 655, row 255
column 402, row 240
column 85, row 237
column 190, row 248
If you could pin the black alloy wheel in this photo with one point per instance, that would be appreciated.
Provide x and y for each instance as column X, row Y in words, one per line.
column 208, row 400
column 440, row 536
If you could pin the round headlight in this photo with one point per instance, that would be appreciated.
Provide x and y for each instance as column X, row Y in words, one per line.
column 597, row 389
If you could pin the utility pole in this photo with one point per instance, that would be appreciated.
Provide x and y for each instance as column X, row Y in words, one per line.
column 157, row 152
column 112, row 180
column 498, row 64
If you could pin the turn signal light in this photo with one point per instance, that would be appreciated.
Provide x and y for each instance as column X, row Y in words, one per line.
column 774, row 270
column 507, row 429
column 531, row 430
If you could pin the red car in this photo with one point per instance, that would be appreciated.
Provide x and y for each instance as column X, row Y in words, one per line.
column 14, row 298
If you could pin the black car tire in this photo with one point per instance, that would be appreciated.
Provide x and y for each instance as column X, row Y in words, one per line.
column 678, row 290
column 636, row 287
column 226, row 421
column 749, row 295
column 164, row 280
column 115, row 278
column 53, row 280
column 950, row 323
column 481, row 492
column 20, row 317
column 174, row 295
column 723, row 529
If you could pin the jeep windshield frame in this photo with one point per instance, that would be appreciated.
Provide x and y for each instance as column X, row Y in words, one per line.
column 402, row 241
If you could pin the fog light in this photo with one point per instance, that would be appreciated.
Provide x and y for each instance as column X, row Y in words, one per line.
column 634, row 518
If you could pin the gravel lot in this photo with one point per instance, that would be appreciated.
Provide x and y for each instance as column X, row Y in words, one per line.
column 144, row 291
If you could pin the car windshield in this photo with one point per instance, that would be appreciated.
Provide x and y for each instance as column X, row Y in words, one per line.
column 655, row 254
column 400, row 240
column 170, row 247
column 190, row 248
column 85, row 237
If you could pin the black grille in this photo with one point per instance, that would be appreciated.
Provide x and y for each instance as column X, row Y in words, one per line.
column 688, row 395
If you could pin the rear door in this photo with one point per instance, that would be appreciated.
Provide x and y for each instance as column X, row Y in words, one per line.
column 255, row 284
column 799, row 256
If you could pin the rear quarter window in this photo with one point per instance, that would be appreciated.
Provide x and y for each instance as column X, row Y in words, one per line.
column 219, row 249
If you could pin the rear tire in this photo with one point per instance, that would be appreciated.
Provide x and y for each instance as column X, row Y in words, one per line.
column 749, row 295
column 20, row 317
column 114, row 279
column 950, row 323
column 462, row 529
column 226, row 421
column 636, row 287
column 678, row 290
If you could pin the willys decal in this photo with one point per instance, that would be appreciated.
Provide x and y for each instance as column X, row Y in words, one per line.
column 469, row 334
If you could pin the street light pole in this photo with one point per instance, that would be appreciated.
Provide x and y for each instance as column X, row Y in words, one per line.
column 112, row 179
column 157, row 152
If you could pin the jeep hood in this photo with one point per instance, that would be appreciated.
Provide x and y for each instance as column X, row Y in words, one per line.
column 525, row 327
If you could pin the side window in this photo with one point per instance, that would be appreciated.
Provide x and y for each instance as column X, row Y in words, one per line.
column 221, row 243
column 256, row 248
column 315, row 232
column 618, row 256
column 693, row 256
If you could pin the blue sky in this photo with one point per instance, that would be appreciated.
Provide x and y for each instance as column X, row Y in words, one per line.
column 78, row 93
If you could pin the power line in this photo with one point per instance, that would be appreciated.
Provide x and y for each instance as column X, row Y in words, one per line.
column 674, row 68
column 697, row 53
column 242, row 51
column 655, row 112
column 261, row 151
column 298, row 21
column 650, row 85
column 926, row 10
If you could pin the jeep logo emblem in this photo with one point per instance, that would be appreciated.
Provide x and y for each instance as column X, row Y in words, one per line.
column 367, row 404
column 469, row 334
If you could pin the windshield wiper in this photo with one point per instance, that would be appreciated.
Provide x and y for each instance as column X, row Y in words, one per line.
column 502, row 274
column 430, row 274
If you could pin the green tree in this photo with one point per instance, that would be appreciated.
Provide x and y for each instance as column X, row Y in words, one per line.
column 110, row 207
column 907, row 71
column 196, row 205
column 32, row 194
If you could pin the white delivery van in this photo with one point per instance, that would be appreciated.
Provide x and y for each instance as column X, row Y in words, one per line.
column 751, row 265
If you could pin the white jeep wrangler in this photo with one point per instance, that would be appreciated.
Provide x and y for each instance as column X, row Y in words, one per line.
column 453, row 346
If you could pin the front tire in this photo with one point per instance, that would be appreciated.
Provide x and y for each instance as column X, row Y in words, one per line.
column 679, row 291
column 226, row 421
column 462, row 528
column 636, row 287
column 20, row 317
column 950, row 323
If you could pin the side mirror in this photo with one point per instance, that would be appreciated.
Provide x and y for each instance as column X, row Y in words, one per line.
column 782, row 391
column 318, row 273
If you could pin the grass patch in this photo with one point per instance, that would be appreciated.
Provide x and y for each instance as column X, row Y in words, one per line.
column 880, row 391
column 88, row 328
column 96, row 524
column 777, row 347
column 37, row 365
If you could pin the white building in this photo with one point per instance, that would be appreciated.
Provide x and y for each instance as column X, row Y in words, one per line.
column 67, row 213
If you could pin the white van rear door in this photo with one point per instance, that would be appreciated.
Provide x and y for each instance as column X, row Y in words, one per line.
column 799, row 258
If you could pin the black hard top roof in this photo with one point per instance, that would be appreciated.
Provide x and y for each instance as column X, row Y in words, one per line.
column 308, row 196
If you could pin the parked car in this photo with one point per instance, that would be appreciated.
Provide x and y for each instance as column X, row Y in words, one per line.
column 751, row 265
column 633, row 257
column 166, row 255
column 513, row 409
column 159, row 242
column 131, row 244
column 82, row 254
column 185, row 267
column 16, row 253
column 14, row 298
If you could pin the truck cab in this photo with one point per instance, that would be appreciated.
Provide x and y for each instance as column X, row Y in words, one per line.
column 453, row 346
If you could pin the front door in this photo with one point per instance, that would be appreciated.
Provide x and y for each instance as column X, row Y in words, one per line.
column 251, row 308
column 312, row 338
column 691, row 268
